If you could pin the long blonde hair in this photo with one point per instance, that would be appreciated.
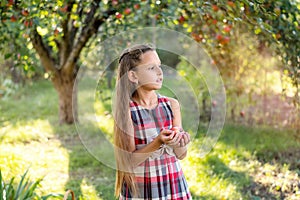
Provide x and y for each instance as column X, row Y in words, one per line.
column 125, row 89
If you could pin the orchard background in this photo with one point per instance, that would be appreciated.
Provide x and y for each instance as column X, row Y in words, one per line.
column 254, row 44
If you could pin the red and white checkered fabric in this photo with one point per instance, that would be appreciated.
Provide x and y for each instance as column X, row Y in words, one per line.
column 160, row 176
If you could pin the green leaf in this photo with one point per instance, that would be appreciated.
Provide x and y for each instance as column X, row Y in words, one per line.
column 8, row 55
column 21, row 186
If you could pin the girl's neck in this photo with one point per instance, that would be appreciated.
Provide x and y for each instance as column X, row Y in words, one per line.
column 146, row 99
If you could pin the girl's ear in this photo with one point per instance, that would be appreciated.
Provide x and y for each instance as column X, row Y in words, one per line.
column 132, row 76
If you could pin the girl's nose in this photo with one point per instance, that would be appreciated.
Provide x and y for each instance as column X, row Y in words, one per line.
column 159, row 71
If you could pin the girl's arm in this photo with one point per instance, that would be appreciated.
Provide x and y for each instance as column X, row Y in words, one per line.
column 180, row 150
column 140, row 155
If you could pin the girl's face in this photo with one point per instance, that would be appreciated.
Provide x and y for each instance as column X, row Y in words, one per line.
column 149, row 73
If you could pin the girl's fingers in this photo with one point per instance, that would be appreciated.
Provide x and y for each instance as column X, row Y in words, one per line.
column 186, row 139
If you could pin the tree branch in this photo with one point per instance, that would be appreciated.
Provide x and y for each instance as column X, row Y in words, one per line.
column 91, row 27
column 66, row 40
column 43, row 51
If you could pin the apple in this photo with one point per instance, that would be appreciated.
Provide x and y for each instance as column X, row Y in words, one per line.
column 26, row 23
column 225, row 40
column 114, row 2
column 215, row 8
column 227, row 29
column 13, row 18
column 181, row 19
column 231, row 3
column 10, row 2
column 214, row 103
column 64, row 9
column 219, row 37
column 24, row 13
column 127, row 11
column 242, row 113
column 278, row 36
column 196, row 36
column 176, row 130
column 118, row 15
column 56, row 32
column 137, row 6
column 25, row 35
column 214, row 21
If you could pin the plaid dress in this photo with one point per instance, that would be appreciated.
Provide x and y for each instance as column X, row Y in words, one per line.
column 160, row 176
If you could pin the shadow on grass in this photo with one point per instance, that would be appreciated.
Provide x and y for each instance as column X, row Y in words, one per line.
column 275, row 151
column 88, row 177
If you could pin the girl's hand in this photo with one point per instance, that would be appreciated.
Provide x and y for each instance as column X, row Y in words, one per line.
column 165, row 136
column 185, row 139
column 181, row 139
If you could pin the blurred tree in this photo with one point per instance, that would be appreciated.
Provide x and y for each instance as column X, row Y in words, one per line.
column 59, row 30
column 220, row 25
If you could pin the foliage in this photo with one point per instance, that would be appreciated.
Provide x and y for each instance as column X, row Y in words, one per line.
column 218, row 25
column 25, row 189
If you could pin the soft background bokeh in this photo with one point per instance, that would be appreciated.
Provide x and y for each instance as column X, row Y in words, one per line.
column 254, row 44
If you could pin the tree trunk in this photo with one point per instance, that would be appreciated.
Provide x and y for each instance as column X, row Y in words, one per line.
column 67, row 93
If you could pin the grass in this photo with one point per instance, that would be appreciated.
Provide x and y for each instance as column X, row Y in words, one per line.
column 244, row 164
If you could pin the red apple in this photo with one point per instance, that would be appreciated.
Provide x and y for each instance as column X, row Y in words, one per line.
column 214, row 21
column 13, row 18
column 219, row 37
column 242, row 113
column 176, row 129
column 118, row 15
column 225, row 40
column 137, row 6
column 24, row 13
column 157, row 16
column 231, row 3
column 56, row 32
column 26, row 23
column 127, row 11
column 227, row 29
column 278, row 36
column 114, row 2
column 196, row 36
column 181, row 19
column 215, row 8
column 10, row 2
column 214, row 103
column 64, row 9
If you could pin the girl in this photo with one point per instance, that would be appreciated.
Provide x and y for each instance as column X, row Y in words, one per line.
column 147, row 144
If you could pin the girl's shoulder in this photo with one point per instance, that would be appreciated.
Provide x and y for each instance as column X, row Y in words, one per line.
column 168, row 100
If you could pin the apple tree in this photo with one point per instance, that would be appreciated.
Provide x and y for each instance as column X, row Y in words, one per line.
column 227, row 28
column 58, row 31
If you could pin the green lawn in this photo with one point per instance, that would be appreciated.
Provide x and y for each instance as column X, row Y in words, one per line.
column 246, row 162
